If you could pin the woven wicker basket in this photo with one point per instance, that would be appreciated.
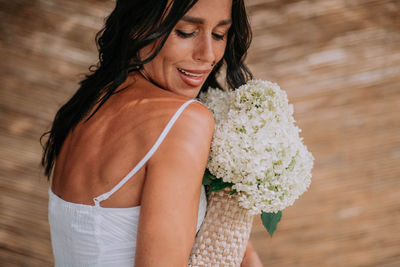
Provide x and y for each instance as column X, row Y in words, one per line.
column 223, row 236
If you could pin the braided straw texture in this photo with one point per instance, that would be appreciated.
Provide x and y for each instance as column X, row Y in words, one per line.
column 224, row 233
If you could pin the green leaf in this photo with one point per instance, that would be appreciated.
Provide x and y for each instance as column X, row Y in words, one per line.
column 214, row 184
column 270, row 220
column 207, row 178
column 217, row 185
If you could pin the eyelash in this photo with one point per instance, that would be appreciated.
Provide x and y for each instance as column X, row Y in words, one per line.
column 187, row 35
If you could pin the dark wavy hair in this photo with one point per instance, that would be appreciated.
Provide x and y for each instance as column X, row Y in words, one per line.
column 132, row 25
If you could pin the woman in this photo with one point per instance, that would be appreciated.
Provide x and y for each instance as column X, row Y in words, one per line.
column 138, row 108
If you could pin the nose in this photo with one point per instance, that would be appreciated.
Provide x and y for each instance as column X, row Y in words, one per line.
column 204, row 49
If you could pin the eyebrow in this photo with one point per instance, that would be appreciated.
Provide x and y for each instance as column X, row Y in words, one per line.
column 201, row 21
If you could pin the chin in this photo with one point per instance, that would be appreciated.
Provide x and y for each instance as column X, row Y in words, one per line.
column 185, row 90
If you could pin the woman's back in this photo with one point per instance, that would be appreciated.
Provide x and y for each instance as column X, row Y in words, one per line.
column 97, row 154
column 95, row 158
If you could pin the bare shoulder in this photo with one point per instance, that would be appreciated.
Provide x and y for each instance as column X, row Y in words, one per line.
column 197, row 116
column 157, row 106
column 194, row 117
column 193, row 128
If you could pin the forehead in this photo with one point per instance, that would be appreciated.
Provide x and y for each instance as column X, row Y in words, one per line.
column 211, row 11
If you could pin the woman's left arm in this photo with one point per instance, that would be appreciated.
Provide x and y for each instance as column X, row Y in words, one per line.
column 250, row 258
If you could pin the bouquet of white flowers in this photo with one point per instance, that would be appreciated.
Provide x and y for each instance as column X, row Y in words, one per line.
column 258, row 158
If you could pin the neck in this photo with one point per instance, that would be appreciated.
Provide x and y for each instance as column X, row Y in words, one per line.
column 147, row 77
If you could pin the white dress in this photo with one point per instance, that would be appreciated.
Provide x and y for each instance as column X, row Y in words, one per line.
column 86, row 235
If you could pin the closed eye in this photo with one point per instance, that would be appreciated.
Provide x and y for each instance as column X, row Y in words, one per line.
column 191, row 34
column 184, row 34
column 218, row 36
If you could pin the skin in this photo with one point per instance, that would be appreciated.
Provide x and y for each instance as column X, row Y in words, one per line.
column 250, row 258
column 165, row 236
column 197, row 41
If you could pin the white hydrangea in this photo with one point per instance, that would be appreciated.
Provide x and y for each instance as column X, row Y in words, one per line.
column 257, row 146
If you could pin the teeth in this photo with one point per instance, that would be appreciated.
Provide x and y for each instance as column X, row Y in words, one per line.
column 190, row 74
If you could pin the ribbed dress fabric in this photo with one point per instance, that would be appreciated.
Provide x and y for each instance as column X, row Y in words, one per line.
column 86, row 235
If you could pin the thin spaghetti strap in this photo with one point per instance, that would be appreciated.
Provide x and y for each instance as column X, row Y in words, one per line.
column 164, row 133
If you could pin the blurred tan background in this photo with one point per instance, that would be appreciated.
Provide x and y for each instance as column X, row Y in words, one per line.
column 338, row 60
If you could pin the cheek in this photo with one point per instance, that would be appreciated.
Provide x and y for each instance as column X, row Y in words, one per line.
column 219, row 52
column 176, row 49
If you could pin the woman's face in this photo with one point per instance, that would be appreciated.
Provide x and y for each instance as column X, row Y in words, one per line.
column 196, row 43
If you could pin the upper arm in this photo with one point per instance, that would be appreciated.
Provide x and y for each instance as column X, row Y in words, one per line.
column 171, row 191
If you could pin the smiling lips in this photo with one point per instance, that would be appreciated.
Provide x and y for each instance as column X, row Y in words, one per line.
column 193, row 77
